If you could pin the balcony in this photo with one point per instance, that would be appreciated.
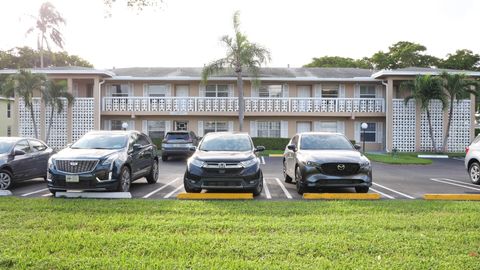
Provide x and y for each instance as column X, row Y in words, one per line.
column 252, row 105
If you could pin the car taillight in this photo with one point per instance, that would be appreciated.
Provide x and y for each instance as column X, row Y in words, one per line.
column 466, row 150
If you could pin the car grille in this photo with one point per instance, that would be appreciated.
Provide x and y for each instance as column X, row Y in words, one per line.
column 209, row 182
column 76, row 166
column 336, row 168
column 223, row 165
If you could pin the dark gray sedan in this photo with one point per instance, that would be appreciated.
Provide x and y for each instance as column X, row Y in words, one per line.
column 22, row 159
column 326, row 160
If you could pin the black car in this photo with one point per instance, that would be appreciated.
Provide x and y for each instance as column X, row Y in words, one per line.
column 324, row 160
column 224, row 160
column 104, row 160
column 22, row 159
column 178, row 143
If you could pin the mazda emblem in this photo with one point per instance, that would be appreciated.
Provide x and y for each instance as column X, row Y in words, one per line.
column 341, row 167
column 73, row 163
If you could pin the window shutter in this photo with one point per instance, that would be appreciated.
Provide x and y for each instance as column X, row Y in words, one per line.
column 145, row 90
column 254, row 90
column 131, row 125
column 357, row 132
column 145, row 126
column 230, row 90
column 317, row 126
column 201, row 90
column 130, row 89
column 379, row 132
column 108, row 89
column 285, row 92
column 230, row 125
column 284, row 129
column 107, row 125
column 253, row 129
column 378, row 91
column 318, row 90
column 168, row 90
column 200, row 129
column 356, row 91
column 341, row 127
column 168, row 126
column 341, row 90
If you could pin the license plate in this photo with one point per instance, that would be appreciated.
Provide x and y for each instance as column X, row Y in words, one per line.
column 71, row 179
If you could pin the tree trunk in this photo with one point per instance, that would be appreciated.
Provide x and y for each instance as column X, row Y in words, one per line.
column 41, row 58
column 241, row 101
column 431, row 130
column 32, row 115
column 449, row 123
column 50, row 124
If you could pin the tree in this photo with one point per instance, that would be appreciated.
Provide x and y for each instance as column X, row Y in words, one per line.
column 424, row 89
column 457, row 87
column 23, row 84
column 338, row 61
column 47, row 28
column 53, row 95
column 462, row 60
column 403, row 54
column 25, row 57
column 242, row 55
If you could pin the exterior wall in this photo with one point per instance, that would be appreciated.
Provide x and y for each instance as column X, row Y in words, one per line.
column 6, row 122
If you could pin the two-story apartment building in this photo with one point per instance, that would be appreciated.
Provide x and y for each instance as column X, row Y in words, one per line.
column 287, row 101
column 8, row 123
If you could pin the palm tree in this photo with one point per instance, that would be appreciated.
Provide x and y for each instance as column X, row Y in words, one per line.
column 425, row 88
column 23, row 84
column 53, row 95
column 457, row 87
column 47, row 28
column 242, row 55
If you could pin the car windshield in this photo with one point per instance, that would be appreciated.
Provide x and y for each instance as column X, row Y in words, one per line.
column 5, row 146
column 226, row 142
column 324, row 142
column 101, row 141
column 178, row 136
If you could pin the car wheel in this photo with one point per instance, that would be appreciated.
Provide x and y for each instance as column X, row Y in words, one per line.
column 5, row 179
column 124, row 180
column 474, row 172
column 287, row 178
column 189, row 189
column 164, row 158
column 361, row 189
column 300, row 186
column 152, row 177
column 259, row 188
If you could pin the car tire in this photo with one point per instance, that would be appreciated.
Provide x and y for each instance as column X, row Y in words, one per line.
column 259, row 188
column 361, row 189
column 189, row 189
column 152, row 177
column 6, row 179
column 300, row 186
column 164, row 158
column 474, row 173
column 124, row 180
column 287, row 178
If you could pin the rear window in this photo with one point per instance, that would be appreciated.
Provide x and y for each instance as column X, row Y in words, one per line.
column 178, row 136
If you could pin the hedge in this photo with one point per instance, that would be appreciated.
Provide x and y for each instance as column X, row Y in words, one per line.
column 271, row 143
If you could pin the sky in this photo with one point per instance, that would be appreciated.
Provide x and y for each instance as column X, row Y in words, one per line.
column 186, row 33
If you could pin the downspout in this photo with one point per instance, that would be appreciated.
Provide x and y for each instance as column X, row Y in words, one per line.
column 100, row 102
column 386, row 118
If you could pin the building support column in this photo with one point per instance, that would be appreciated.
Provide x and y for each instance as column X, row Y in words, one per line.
column 389, row 116
column 70, row 112
column 96, row 104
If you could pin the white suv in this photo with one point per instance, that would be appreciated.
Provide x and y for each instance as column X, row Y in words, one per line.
column 472, row 160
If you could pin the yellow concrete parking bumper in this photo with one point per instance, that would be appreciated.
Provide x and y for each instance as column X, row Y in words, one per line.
column 275, row 155
column 215, row 196
column 341, row 196
column 452, row 197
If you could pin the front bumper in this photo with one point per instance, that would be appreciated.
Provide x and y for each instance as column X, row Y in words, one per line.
column 91, row 181
column 313, row 177
column 176, row 152
column 241, row 179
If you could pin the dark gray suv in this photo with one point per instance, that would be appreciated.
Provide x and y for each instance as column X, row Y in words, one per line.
column 178, row 143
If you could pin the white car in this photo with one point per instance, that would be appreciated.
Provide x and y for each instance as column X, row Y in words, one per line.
column 472, row 160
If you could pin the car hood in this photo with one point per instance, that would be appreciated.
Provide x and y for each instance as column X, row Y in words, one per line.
column 69, row 153
column 331, row 156
column 223, row 156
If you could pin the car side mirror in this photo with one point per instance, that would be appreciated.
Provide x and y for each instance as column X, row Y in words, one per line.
column 292, row 147
column 18, row 153
column 356, row 146
column 259, row 148
column 192, row 148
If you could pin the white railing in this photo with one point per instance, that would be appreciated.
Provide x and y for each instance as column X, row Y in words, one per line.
column 252, row 104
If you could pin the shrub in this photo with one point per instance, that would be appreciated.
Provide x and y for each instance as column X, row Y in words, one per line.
column 271, row 143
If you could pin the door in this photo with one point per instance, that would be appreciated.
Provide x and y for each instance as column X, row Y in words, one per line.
column 21, row 163
column 290, row 158
column 135, row 155
column 145, row 154
column 304, row 94
column 181, row 92
column 40, row 155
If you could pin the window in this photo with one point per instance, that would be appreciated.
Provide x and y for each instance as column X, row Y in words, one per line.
column 23, row 146
column 216, row 90
column 215, row 126
column 330, row 90
column 156, row 90
column 119, row 90
column 9, row 131
column 9, row 110
column 328, row 126
column 270, row 91
column 181, row 125
column 294, row 140
column 268, row 129
column 370, row 133
column 367, row 91
column 142, row 140
column 304, row 127
column 156, row 129
column 37, row 146
column 116, row 124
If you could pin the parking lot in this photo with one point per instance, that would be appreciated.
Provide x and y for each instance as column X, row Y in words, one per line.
column 444, row 176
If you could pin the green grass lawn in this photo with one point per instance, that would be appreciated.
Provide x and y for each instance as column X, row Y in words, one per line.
column 269, row 152
column 154, row 234
column 401, row 158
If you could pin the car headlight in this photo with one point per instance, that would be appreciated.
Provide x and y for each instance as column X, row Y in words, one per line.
column 196, row 162
column 313, row 164
column 250, row 162
column 365, row 164
column 110, row 160
column 51, row 160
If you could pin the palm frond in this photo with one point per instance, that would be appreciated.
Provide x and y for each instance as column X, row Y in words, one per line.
column 213, row 68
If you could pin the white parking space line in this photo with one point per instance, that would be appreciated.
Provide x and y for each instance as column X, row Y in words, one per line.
column 453, row 184
column 284, row 188
column 173, row 192
column 161, row 188
column 262, row 160
column 383, row 194
column 392, row 190
column 34, row 192
column 460, row 182
column 267, row 191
